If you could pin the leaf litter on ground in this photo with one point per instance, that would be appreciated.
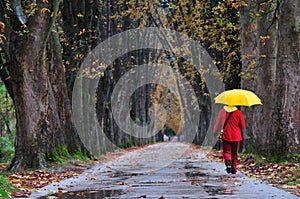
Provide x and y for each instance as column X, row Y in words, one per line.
column 282, row 175
column 285, row 175
column 29, row 181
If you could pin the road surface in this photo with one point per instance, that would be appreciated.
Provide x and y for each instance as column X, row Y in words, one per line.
column 168, row 170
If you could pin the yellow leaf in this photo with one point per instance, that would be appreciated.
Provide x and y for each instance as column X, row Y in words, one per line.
column 80, row 15
column 81, row 32
column 15, row 181
column 43, row 10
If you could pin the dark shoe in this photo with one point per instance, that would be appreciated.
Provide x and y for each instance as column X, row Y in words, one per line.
column 228, row 166
column 233, row 172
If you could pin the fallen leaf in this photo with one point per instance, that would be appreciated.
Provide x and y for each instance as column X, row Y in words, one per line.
column 71, row 193
column 227, row 191
column 131, row 190
column 80, row 194
column 289, row 187
column 92, row 191
column 59, row 193
column 19, row 194
column 15, row 181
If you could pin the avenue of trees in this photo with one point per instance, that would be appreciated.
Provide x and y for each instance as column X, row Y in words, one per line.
column 255, row 45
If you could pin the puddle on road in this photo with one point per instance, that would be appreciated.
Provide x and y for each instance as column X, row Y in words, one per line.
column 188, row 166
column 195, row 174
column 88, row 194
column 216, row 190
column 125, row 174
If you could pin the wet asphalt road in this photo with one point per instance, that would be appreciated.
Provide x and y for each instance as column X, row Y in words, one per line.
column 167, row 170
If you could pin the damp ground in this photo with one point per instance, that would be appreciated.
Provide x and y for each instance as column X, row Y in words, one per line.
column 167, row 170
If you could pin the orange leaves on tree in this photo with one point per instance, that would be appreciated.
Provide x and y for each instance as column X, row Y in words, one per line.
column 78, row 56
column 23, row 26
column 264, row 39
column 2, row 26
column 44, row 10
column 236, row 4
column 82, row 32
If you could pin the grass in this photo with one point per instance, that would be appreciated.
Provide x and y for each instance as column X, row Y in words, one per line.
column 6, row 148
column 6, row 188
column 79, row 155
column 59, row 155
column 296, row 182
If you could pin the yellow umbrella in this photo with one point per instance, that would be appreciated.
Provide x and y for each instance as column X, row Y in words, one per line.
column 237, row 97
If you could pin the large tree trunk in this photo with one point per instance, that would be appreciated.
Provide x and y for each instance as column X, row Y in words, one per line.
column 35, row 125
column 31, row 100
column 287, row 110
column 80, row 33
column 272, row 72
column 67, row 134
column 256, row 134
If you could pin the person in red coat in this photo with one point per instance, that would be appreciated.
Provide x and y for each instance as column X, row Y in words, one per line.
column 232, row 135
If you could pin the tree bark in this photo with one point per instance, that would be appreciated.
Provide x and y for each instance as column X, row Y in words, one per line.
column 32, row 100
column 287, row 110
column 67, row 133
column 271, row 49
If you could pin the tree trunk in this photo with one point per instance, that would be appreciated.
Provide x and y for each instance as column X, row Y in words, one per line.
column 272, row 72
column 80, row 34
column 34, row 135
column 287, row 110
column 32, row 100
column 67, row 134
column 256, row 134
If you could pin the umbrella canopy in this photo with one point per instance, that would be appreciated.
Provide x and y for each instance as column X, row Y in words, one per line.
column 237, row 97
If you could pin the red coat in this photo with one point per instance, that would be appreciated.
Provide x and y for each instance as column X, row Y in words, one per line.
column 232, row 131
